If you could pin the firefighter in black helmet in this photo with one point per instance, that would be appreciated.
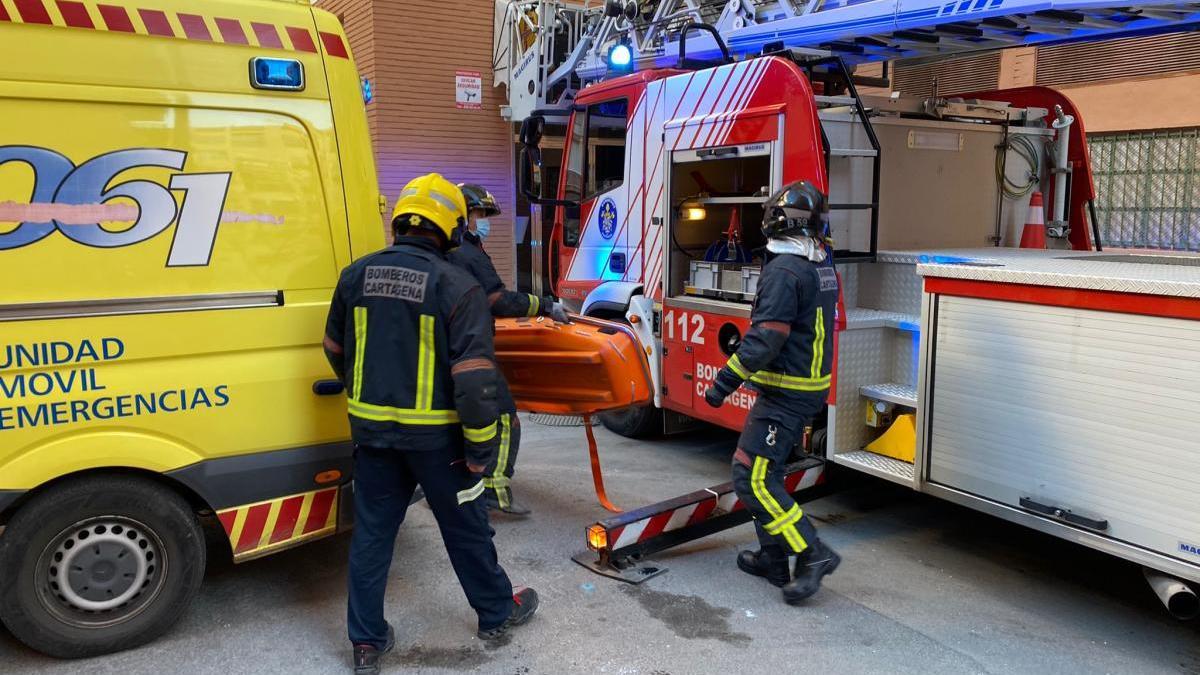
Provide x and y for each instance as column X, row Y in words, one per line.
column 410, row 337
column 470, row 256
column 787, row 356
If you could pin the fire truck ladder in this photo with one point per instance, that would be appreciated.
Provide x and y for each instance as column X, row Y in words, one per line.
column 840, row 96
column 618, row 545
column 546, row 49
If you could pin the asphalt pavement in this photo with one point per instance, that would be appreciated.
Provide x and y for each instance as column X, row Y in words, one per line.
column 925, row 587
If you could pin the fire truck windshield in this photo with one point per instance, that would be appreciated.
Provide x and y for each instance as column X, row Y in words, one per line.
column 596, row 159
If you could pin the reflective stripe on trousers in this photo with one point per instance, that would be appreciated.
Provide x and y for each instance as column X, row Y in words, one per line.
column 498, row 481
column 784, row 522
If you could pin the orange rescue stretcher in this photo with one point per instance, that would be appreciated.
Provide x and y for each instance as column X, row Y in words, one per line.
column 581, row 368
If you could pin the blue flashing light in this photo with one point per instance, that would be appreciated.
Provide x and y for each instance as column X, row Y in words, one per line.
column 368, row 91
column 284, row 74
column 620, row 57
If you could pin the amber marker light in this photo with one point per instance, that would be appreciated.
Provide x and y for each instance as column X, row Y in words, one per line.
column 326, row 477
column 597, row 538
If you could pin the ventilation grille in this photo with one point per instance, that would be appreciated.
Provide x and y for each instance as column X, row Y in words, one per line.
column 1113, row 59
column 978, row 72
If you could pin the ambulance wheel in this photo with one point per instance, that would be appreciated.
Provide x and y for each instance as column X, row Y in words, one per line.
column 99, row 564
column 634, row 422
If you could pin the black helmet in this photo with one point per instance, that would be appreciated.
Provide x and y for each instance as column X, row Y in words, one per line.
column 799, row 209
column 478, row 197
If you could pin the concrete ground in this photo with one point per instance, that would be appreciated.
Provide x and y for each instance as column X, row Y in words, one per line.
column 926, row 587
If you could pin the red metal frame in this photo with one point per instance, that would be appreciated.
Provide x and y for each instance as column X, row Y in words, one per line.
column 1083, row 189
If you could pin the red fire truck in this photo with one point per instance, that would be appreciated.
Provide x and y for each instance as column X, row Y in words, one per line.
column 657, row 223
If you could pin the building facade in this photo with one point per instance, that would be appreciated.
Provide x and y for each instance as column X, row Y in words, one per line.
column 416, row 57
column 1139, row 98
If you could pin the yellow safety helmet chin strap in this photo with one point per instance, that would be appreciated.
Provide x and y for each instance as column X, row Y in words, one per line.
column 431, row 200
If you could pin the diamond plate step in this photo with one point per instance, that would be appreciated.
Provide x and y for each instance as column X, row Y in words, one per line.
column 861, row 317
column 878, row 465
column 900, row 394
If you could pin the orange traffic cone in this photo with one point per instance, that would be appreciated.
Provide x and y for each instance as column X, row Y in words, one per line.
column 1034, row 234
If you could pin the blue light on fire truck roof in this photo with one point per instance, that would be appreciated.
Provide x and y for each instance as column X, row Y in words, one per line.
column 620, row 57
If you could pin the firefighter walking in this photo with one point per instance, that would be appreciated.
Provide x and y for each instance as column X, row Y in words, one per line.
column 470, row 256
column 787, row 357
column 410, row 336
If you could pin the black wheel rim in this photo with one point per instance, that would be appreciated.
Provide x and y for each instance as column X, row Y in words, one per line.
column 101, row 571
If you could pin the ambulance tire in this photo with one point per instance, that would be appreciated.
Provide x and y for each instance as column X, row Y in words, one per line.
column 634, row 422
column 126, row 518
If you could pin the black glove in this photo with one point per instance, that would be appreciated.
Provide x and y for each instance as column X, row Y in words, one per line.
column 716, row 395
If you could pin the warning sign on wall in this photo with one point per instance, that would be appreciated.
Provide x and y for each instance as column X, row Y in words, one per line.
column 468, row 90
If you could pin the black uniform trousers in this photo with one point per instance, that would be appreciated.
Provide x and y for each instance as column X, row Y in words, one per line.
column 772, row 430
column 384, row 481
column 498, row 475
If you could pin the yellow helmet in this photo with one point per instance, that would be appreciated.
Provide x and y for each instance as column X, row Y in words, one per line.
column 435, row 199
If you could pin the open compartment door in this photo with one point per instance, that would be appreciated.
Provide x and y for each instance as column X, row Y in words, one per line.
column 580, row 368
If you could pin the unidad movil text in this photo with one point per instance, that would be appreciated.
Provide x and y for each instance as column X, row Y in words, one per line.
column 64, row 374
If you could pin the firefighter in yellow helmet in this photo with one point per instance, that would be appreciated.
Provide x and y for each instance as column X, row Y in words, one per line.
column 410, row 337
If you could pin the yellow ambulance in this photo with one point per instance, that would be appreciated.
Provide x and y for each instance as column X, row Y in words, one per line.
column 180, row 184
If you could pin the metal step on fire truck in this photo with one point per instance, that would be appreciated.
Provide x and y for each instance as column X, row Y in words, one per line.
column 1056, row 388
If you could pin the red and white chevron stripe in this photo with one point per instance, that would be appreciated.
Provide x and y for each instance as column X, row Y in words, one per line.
column 707, row 104
column 685, row 111
column 721, row 503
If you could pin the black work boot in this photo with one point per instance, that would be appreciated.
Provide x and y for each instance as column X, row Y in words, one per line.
column 772, row 564
column 525, row 605
column 811, row 566
column 511, row 507
column 367, row 657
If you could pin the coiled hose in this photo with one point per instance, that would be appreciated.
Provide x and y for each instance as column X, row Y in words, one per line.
column 1025, row 149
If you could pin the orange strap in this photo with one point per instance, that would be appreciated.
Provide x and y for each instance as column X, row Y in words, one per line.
column 597, row 475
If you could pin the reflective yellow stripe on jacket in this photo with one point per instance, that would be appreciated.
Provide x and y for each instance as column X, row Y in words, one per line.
column 426, row 353
column 735, row 364
column 383, row 413
column 470, row 494
column 791, row 381
column 482, row 434
column 535, row 305
column 423, row 414
column 818, row 346
column 360, row 349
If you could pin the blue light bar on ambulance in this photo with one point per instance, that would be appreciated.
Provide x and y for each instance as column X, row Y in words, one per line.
column 620, row 57
column 278, row 74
